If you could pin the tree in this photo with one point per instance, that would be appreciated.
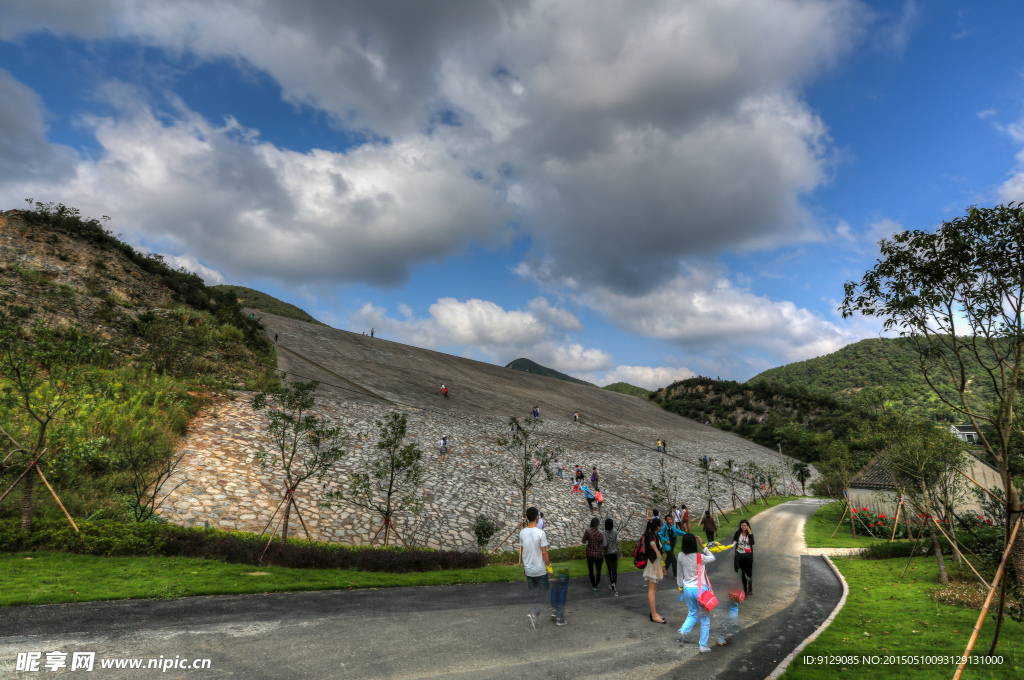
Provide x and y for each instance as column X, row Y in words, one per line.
column 526, row 462
column 802, row 472
column 301, row 444
column 40, row 370
column 483, row 529
column 958, row 294
column 665, row 487
column 388, row 484
column 147, row 467
column 922, row 456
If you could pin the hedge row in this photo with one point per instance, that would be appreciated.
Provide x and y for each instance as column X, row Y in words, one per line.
column 574, row 552
column 107, row 538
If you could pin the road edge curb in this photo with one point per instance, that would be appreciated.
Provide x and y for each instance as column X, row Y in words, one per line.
column 781, row 668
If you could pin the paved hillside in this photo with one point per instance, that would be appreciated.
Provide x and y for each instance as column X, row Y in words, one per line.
column 363, row 378
column 411, row 376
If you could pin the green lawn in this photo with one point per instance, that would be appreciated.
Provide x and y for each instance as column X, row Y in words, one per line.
column 51, row 577
column 883, row 618
column 822, row 523
column 48, row 578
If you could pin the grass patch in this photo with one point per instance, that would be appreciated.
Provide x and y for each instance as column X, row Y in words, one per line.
column 50, row 578
column 821, row 524
column 882, row 617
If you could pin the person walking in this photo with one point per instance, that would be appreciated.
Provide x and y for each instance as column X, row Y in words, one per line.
column 611, row 553
column 594, row 540
column 540, row 522
column 579, row 474
column 275, row 338
column 599, row 497
column 560, row 470
column 677, row 516
column 444, row 391
column 594, row 476
column 659, row 446
column 654, row 571
column 693, row 579
column 576, row 417
column 589, row 495
column 743, row 561
column 684, row 522
column 667, row 534
column 371, row 332
column 444, row 448
column 536, row 412
column 533, row 553
column 708, row 522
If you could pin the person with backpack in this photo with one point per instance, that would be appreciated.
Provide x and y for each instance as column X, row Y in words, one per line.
column 589, row 495
column 708, row 522
column 593, row 476
column 611, row 553
column 693, row 579
column 579, row 474
column 594, row 540
column 444, row 390
column 743, row 562
column 667, row 534
column 654, row 569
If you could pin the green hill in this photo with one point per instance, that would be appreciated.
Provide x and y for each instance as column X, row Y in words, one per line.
column 890, row 363
column 535, row 368
column 268, row 303
column 626, row 388
column 801, row 421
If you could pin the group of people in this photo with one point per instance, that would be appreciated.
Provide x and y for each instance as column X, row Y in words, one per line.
column 658, row 552
column 690, row 571
column 662, row 445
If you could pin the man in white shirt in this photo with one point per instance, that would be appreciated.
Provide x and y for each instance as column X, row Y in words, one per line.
column 533, row 551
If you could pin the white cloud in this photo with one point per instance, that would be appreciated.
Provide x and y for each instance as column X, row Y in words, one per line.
column 256, row 210
column 485, row 328
column 624, row 136
column 883, row 228
column 212, row 277
column 648, row 377
column 708, row 314
column 25, row 152
column 1013, row 188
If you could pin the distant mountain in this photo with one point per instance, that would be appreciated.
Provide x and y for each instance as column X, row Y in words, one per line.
column 268, row 303
column 535, row 368
column 890, row 363
column 626, row 388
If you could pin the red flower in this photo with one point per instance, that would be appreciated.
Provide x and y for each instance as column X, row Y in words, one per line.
column 882, row 516
column 980, row 517
column 864, row 509
column 854, row 511
column 988, row 521
column 922, row 516
column 872, row 526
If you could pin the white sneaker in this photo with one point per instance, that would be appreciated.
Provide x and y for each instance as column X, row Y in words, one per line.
column 563, row 622
column 705, row 649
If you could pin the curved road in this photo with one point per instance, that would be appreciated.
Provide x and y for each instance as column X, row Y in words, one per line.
column 468, row 631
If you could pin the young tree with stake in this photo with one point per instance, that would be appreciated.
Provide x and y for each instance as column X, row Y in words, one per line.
column 390, row 483
column 517, row 467
column 301, row 444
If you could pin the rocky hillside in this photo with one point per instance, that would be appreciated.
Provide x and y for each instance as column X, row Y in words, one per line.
column 59, row 269
column 535, row 368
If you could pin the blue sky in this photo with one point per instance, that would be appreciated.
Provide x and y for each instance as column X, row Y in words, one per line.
column 622, row 191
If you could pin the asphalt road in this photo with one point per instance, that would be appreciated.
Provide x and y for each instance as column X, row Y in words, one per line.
column 452, row 631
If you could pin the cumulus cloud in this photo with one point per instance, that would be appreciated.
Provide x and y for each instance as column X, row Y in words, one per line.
column 648, row 377
column 24, row 149
column 1013, row 188
column 485, row 328
column 623, row 136
column 211, row 277
column 255, row 209
column 708, row 314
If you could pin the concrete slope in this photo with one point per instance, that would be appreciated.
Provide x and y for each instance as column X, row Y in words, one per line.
column 412, row 377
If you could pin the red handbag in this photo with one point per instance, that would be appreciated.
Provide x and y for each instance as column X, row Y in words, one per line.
column 706, row 598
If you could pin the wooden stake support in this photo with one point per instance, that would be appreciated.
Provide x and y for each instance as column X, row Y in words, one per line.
column 39, row 472
column 988, row 599
column 896, row 520
column 846, row 508
column 517, row 527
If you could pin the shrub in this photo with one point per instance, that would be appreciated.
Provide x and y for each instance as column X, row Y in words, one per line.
column 885, row 551
column 109, row 538
column 483, row 529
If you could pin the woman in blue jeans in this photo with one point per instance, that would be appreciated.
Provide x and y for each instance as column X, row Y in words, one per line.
column 687, row 580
